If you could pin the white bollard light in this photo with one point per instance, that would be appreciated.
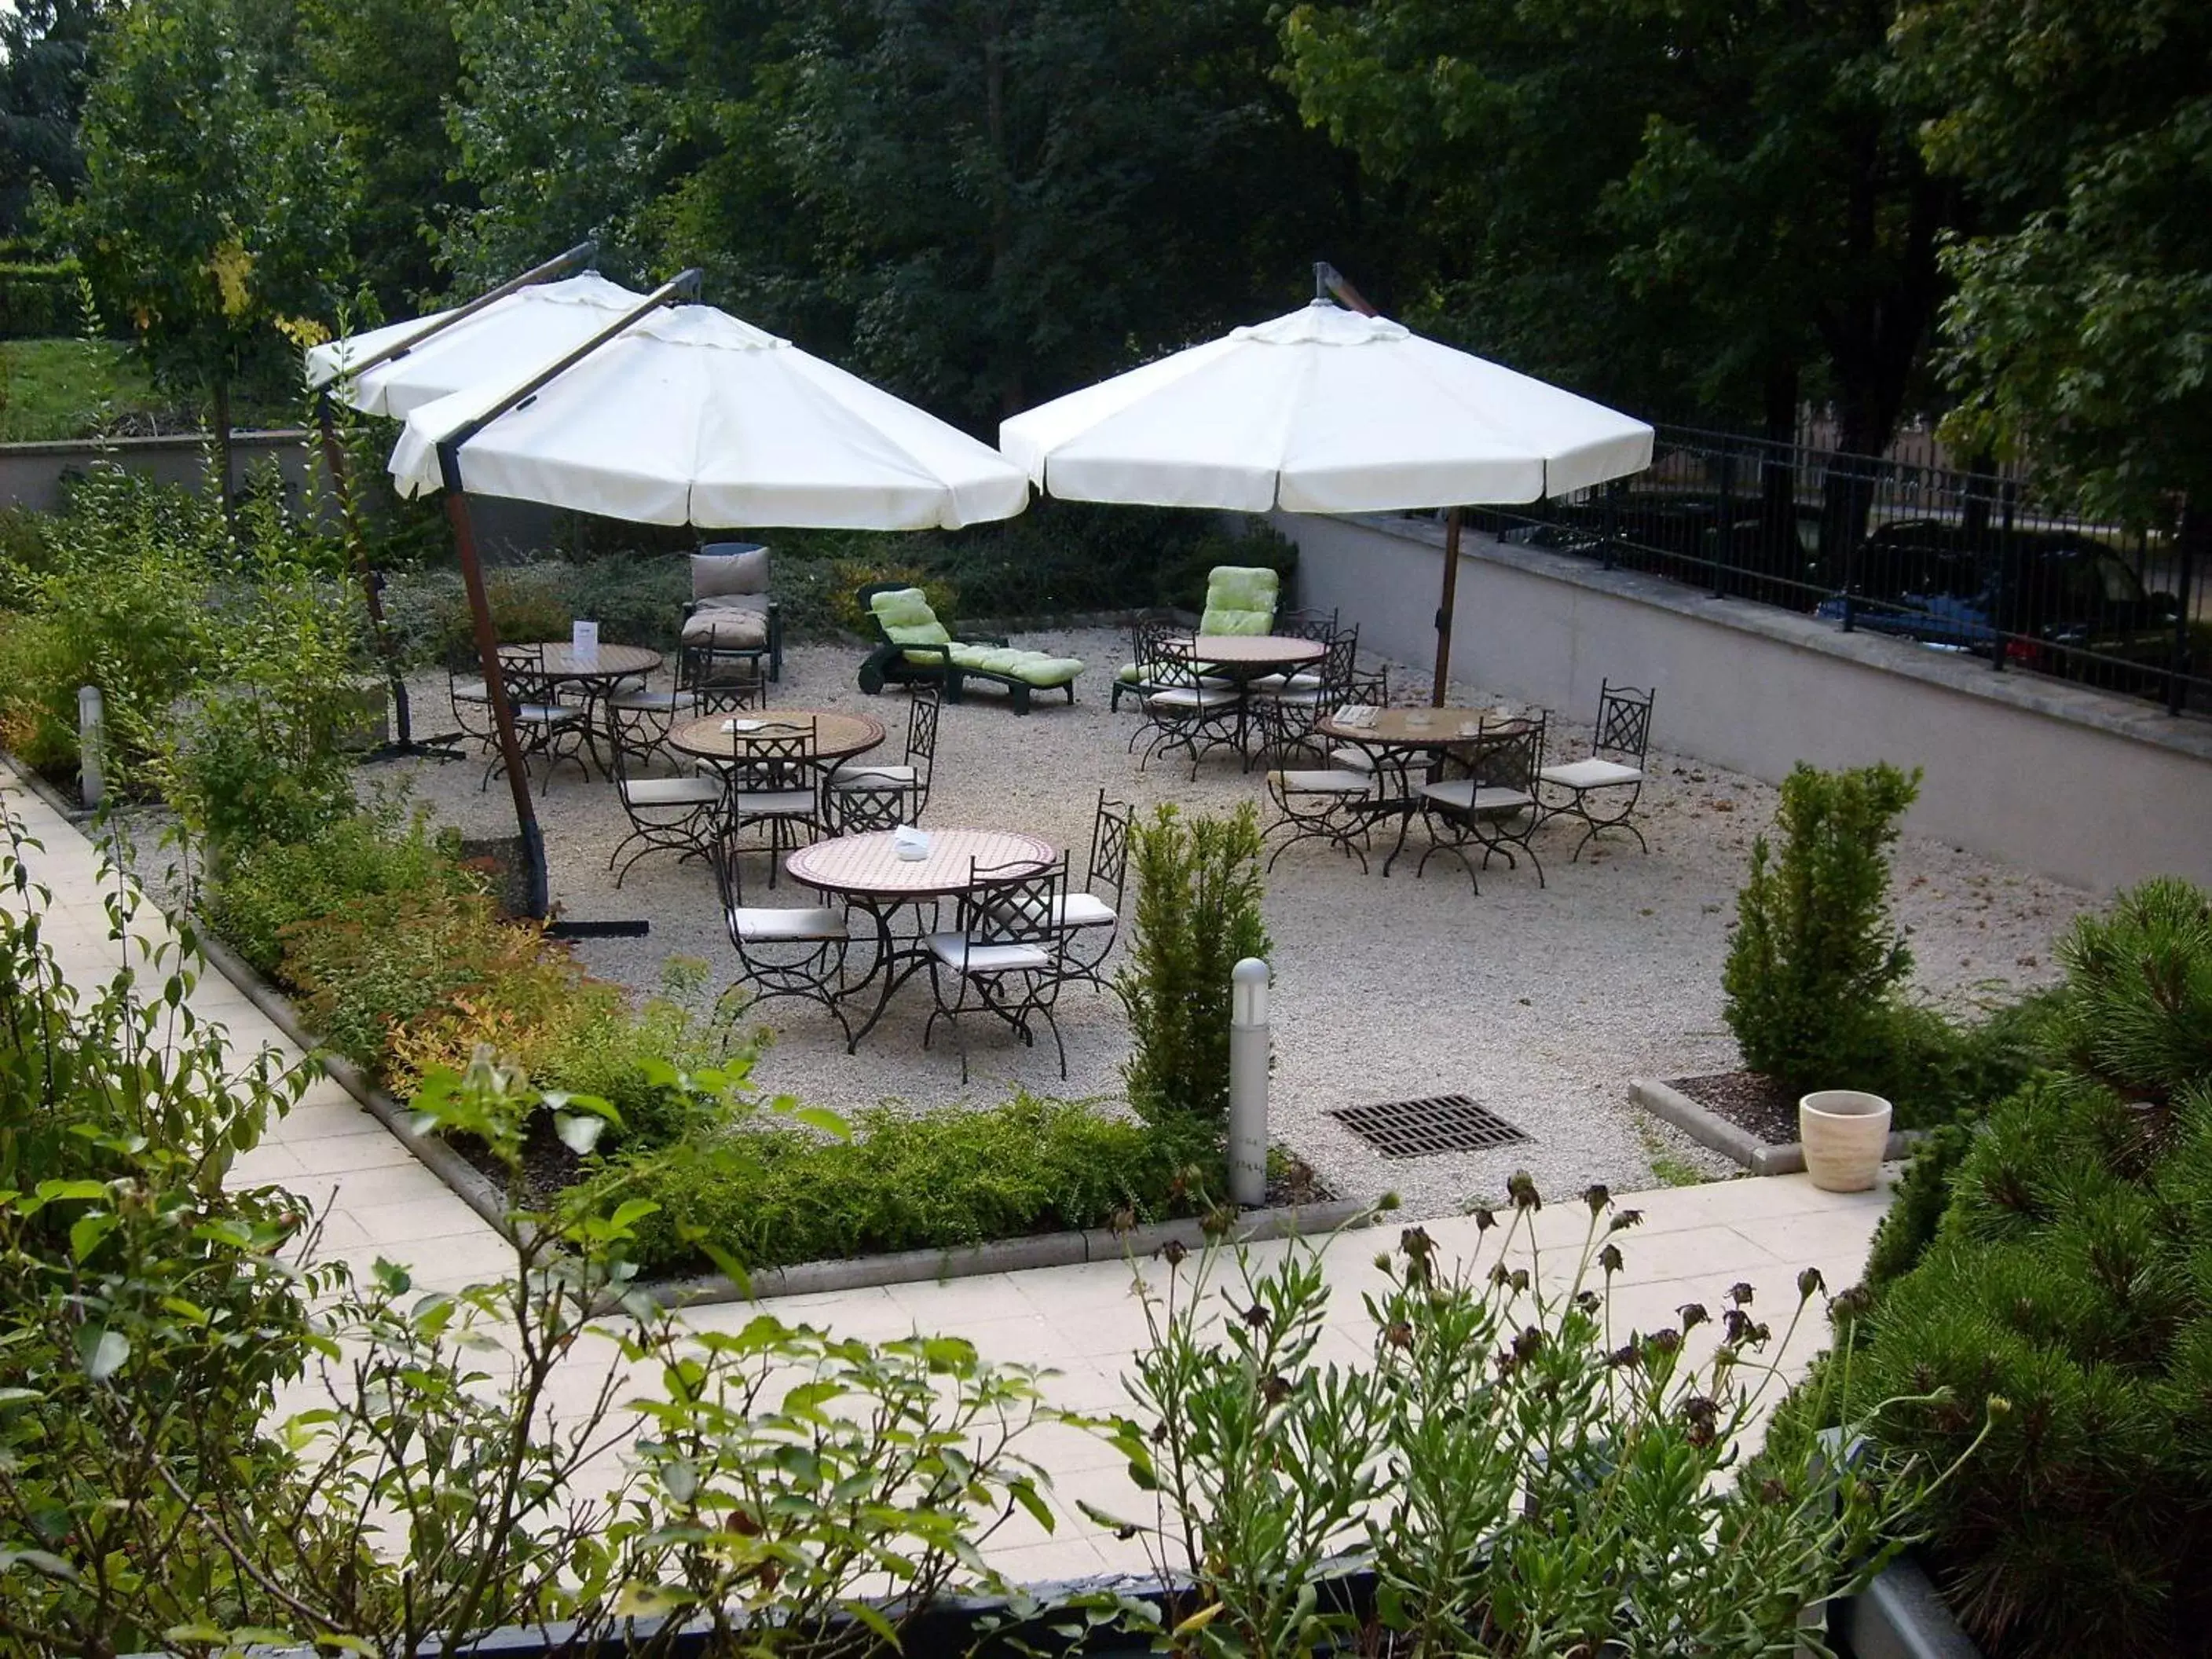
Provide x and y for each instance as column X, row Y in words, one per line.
column 1249, row 1043
column 91, row 735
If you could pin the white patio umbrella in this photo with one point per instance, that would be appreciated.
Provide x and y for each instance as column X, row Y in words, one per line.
column 681, row 414
column 692, row 417
column 1325, row 411
column 518, row 329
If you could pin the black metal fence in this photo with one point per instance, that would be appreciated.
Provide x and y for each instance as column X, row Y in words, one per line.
column 1959, row 561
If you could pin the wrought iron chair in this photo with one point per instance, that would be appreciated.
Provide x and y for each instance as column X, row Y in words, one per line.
column 1004, row 948
column 1491, row 802
column 1615, row 763
column 640, row 718
column 1288, row 710
column 1088, row 919
column 1149, row 635
column 773, row 781
column 1322, row 805
column 676, row 815
column 781, row 952
column 1192, row 712
column 544, row 725
column 860, row 794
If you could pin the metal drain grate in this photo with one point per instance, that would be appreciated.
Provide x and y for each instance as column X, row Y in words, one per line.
column 1442, row 1123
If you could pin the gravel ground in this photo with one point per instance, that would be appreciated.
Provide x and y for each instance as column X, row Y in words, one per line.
column 1540, row 1003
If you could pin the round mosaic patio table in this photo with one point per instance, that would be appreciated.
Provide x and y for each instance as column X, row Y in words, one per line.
column 595, row 673
column 1396, row 736
column 1247, row 656
column 1244, row 658
column 559, row 659
column 866, row 872
column 837, row 736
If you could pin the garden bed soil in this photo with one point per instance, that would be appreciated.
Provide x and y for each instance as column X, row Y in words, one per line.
column 1753, row 1101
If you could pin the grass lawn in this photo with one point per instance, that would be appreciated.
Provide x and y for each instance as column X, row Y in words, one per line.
column 54, row 389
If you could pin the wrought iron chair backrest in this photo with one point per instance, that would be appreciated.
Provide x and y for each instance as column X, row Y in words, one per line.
column 1013, row 903
column 922, row 730
column 1175, row 669
column 1369, row 685
column 1340, row 665
column 523, row 668
column 775, row 759
column 726, row 679
column 1624, row 721
column 1110, row 845
column 1149, row 638
column 1512, row 754
column 1307, row 625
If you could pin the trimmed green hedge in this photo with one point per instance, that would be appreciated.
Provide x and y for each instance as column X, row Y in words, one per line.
column 38, row 299
column 770, row 1197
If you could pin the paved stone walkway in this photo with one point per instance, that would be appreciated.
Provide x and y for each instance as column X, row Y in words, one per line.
column 1084, row 1321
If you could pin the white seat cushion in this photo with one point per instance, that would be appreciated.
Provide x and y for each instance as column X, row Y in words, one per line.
column 656, row 702
column 671, row 792
column 1353, row 760
column 1085, row 911
column 1346, row 782
column 770, row 926
column 1591, row 774
column 1183, row 698
column 873, row 779
column 471, row 691
column 1461, row 794
column 959, row 952
column 773, row 803
column 547, row 713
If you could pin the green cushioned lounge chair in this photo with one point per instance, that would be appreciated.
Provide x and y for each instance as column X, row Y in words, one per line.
column 1240, row 599
column 916, row 646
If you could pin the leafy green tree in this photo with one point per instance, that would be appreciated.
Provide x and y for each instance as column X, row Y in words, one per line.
column 1008, row 198
column 215, row 192
column 2081, row 330
column 389, row 69
column 43, row 46
column 1699, row 207
column 556, row 127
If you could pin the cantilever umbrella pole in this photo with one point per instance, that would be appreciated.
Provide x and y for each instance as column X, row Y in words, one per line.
column 464, row 542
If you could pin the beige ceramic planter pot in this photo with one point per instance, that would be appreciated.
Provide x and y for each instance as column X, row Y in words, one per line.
column 1844, row 1132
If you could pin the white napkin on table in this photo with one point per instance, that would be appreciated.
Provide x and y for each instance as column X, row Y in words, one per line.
column 1356, row 713
column 909, row 843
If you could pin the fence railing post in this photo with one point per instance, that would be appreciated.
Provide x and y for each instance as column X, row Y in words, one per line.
column 1724, row 530
column 2000, row 611
column 2185, row 538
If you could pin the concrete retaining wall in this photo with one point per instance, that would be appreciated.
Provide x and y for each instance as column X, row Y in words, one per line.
column 2091, row 789
column 34, row 476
